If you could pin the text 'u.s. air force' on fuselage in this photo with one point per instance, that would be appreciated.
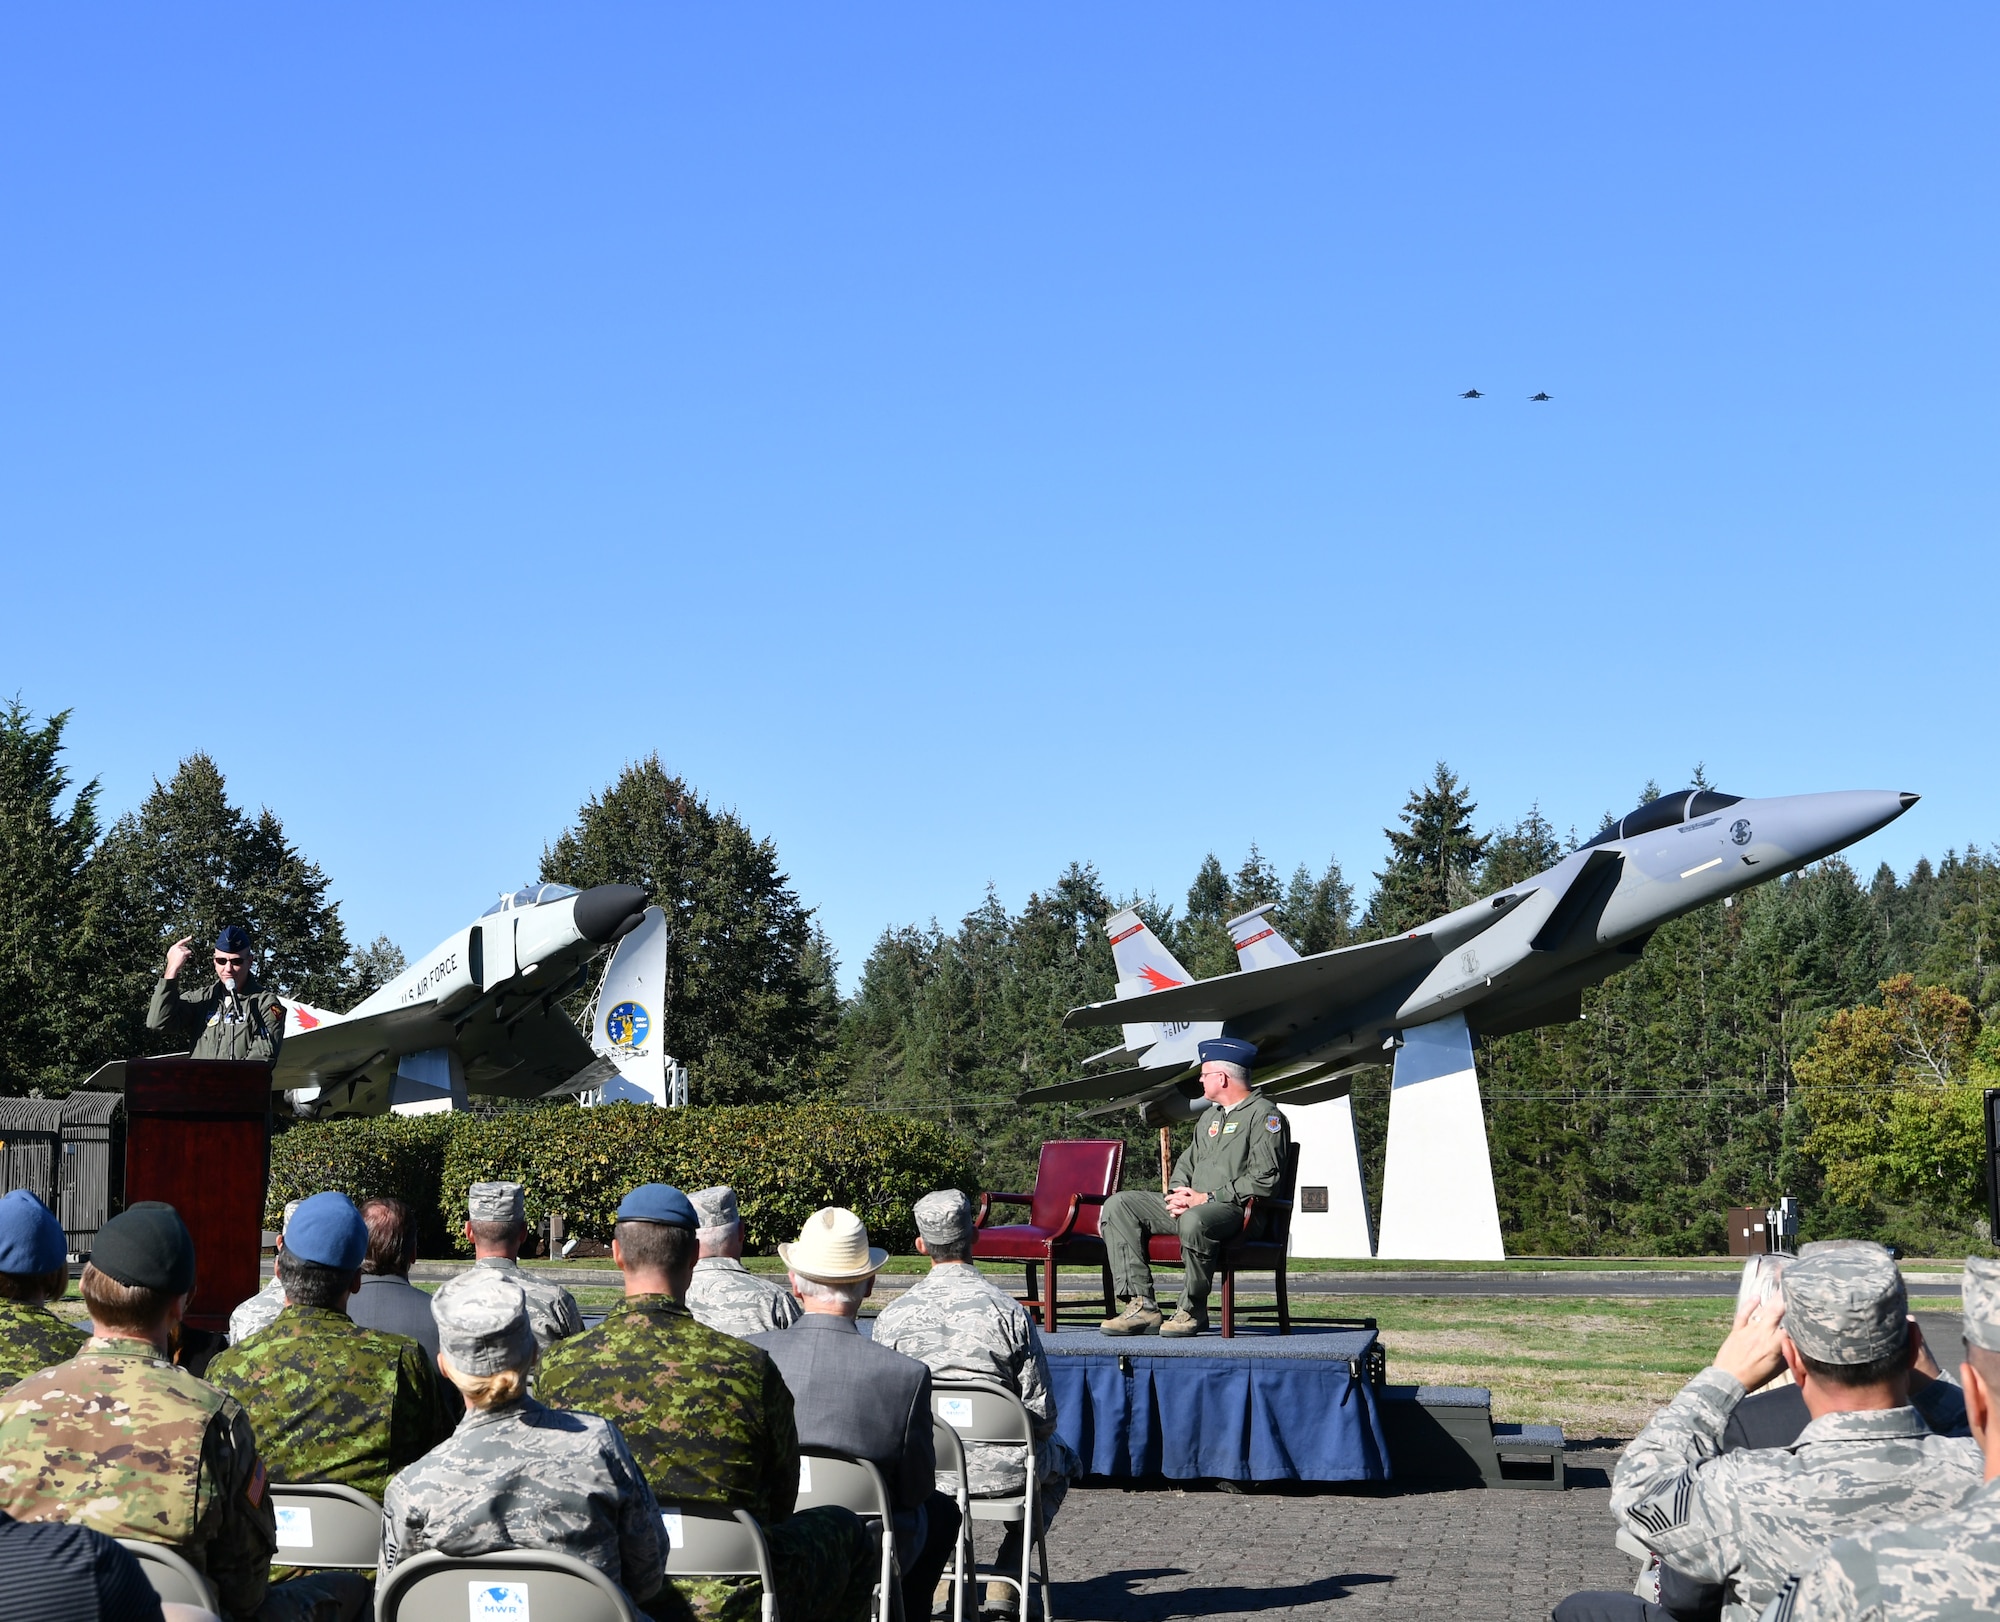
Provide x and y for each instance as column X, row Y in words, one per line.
column 1511, row 961
column 479, row 1013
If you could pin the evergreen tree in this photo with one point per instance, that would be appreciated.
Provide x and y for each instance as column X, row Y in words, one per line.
column 50, row 934
column 747, row 984
column 1432, row 858
column 1317, row 914
column 1519, row 852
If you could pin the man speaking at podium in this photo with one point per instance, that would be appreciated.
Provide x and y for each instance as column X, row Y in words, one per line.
column 231, row 1019
column 1238, row 1151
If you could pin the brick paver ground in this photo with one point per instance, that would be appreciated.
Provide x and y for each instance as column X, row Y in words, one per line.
column 1160, row 1554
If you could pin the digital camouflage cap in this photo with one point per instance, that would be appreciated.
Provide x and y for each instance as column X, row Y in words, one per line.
column 495, row 1202
column 1845, row 1303
column 1981, row 1291
column 482, row 1323
column 715, row 1207
column 944, row 1218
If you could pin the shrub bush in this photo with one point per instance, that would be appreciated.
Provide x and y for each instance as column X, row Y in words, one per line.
column 784, row 1161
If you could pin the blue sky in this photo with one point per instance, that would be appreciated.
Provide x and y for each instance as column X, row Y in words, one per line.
column 970, row 439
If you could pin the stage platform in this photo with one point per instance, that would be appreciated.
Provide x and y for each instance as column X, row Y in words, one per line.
column 1255, row 1407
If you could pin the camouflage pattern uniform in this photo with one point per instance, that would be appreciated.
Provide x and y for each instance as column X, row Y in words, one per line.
column 709, row 1418
column 120, row 1440
column 1749, row 1518
column 727, row 1296
column 33, row 1339
column 258, row 1313
column 552, row 1310
column 225, row 1024
column 1947, row 1567
column 333, row 1401
column 522, row 1476
column 965, row 1326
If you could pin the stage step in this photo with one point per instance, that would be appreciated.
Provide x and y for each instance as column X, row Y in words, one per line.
column 1445, row 1435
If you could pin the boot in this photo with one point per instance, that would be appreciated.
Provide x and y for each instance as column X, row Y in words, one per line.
column 1140, row 1317
column 1184, row 1322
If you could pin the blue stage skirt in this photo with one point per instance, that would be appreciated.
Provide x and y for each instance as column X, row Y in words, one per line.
column 1253, row 1408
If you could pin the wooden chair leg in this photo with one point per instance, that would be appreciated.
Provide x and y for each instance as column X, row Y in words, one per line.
column 1284, row 1302
column 1228, row 1301
column 1049, row 1297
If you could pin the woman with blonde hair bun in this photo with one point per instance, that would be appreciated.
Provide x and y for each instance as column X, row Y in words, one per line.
column 516, row 1474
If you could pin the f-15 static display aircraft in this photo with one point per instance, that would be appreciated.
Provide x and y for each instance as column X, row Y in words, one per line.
column 478, row 1013
column 1511, row 961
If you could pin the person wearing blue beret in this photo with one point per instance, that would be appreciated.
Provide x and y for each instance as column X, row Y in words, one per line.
column 329, row 1400
column 231, row 1017
column 34, row 1270
column 1239, row 1149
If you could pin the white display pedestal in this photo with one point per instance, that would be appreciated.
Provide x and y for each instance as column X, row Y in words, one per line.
column 1330, row 1179
column 1437, row 1176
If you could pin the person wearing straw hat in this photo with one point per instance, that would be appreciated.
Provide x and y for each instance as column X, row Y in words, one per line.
column 515, row 1474
column 855, row 1397
column 1949, row 1565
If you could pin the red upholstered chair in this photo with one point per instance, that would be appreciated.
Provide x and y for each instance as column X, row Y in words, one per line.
column 1264, row 1254
column 1071, row 1184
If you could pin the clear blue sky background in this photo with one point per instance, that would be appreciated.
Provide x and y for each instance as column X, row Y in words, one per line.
column 965, row 439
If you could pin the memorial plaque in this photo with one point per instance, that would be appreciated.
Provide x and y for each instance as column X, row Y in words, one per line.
column 1312, row 1197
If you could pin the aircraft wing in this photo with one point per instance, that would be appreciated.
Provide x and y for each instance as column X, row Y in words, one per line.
column 1349, row 974
column 1112, row 1084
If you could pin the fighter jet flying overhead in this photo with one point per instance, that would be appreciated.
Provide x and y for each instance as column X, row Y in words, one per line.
column 1541, row 397
column 1511, row 961
column 1472, row 394
column 478, row 1013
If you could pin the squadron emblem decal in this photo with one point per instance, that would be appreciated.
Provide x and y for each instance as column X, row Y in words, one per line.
column 1739, row 831
column 627, row 1025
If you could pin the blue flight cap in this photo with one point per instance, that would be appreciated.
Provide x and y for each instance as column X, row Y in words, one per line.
column 1227, row 1050
column 234, row 938
column 328, row 1230
column 658, row 1202
column 31, row 1239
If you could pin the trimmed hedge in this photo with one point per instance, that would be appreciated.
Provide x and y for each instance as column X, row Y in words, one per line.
column 784, row 1161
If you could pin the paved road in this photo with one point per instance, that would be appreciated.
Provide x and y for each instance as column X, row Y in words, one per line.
column 1164, row 1554
column 1571, row 1284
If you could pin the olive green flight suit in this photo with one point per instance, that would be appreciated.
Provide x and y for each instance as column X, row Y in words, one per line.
column 248, row 1024
column 1236, row 1153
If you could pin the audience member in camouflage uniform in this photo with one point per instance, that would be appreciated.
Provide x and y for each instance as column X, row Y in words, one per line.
column 262, row 1309
column 1947, row 1567
column 1744, row 1521
column 966, row 1327
column 709, row 1419
column 517, row 1475
column 34, row 1270
column 497, row 1227
column 120, row 1440
column 724, row 1294
column 333, row 1401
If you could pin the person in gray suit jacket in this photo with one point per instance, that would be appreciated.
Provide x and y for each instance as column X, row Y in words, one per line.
column 387, row 1300
column 852, row 1396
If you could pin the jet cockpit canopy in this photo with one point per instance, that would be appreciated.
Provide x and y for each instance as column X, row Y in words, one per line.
column 532, row 895
column 1683, row 805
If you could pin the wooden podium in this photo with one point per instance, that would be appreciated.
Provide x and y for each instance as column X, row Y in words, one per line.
column 198, row 1136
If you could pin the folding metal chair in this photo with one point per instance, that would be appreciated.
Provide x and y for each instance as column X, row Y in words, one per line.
column 951, row 1462
column 326, row 1527
column 536, row 1583
column 172, row 1577
column 984, row 1413
column 826, row 1477
column 705, row 1540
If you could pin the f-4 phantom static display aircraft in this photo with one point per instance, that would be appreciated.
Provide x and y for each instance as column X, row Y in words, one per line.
column 478, row 1013
column 1511, row 961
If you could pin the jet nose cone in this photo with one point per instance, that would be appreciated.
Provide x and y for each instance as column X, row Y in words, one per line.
column 601, row 911
column 1908, row 799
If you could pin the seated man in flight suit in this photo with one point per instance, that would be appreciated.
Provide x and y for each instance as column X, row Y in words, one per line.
column 1239, row 1149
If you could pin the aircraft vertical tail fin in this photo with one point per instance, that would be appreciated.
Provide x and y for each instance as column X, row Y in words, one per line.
column 1144, row 965
column 1258, row 943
